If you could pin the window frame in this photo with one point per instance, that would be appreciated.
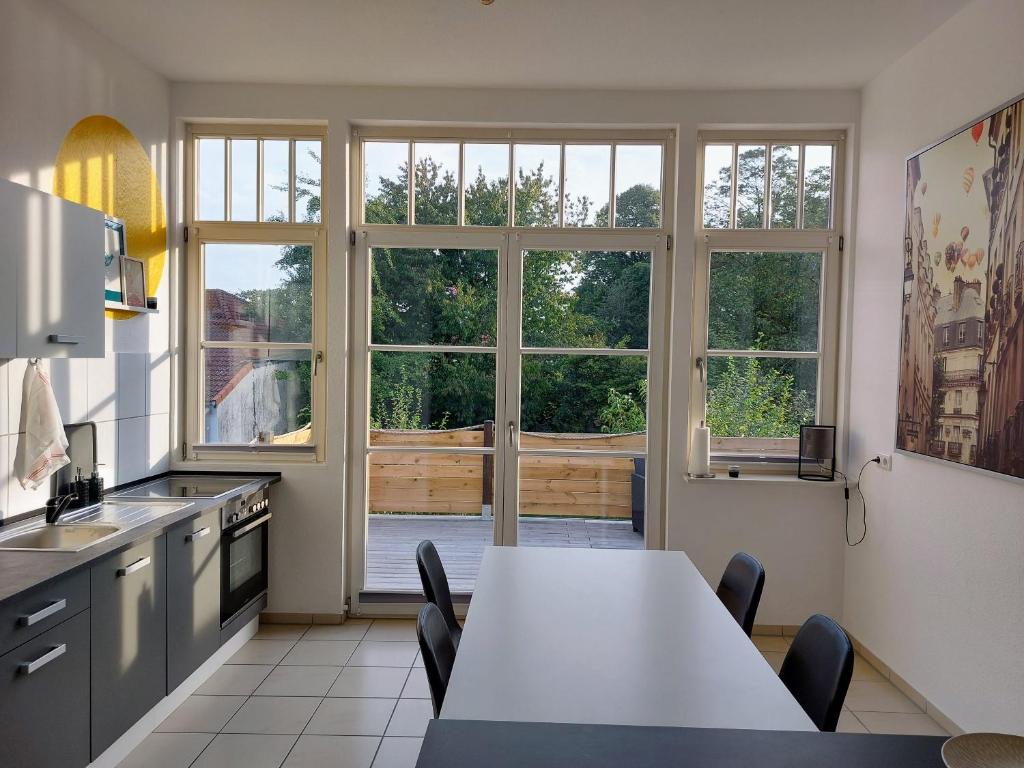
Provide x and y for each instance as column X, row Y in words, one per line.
column 768, row 454
column 201, row 232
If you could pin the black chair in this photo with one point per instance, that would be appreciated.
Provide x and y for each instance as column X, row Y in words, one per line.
column 817, row 670
column 740, row 589
column 438, row 652
column 435, row 587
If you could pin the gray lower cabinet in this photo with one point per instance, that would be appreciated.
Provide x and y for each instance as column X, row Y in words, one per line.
column 129, row 639
column 44, row 684
column 193, row 595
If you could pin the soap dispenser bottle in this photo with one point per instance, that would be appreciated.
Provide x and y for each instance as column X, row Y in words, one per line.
column 80, row 489
column 95, row 486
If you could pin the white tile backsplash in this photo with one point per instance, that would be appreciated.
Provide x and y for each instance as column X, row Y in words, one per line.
column 159, row 444
column 68, row 377
column 158, row 391
column 132, row 449
column 6, row 477
column 5, row 399
column 102, row 387
column 15, row 380
column 106, row 451
column 131, row 384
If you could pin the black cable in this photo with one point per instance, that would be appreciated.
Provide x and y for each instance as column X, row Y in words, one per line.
column 863, row 499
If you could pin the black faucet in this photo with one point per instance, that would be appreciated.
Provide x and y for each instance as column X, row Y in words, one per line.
column 56, row 507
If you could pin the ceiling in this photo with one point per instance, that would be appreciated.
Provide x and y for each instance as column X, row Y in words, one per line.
column 521, row 43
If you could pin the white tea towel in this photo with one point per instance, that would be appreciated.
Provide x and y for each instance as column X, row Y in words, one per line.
column 42, row 444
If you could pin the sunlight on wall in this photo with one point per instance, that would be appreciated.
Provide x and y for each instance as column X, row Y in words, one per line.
column 102, row 165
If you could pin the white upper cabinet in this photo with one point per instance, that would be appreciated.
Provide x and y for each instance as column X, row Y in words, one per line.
column 51, row 276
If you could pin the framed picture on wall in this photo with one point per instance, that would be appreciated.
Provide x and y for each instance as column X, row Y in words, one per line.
column 114, row 251
column 961, row 381
column 134, row 279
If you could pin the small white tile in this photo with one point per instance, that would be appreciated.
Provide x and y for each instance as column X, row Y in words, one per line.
column 910, row 724
column 419, row 660
column 398, row 752
column 159, row 429
column 101, row 387
column 262, row 652
column 67, row 378
column 251, row 751
column 848, row 723
column 392, row 629
column 862, row 670
column 106, row 451
column 321, row 652
column 370, row 682
column 167, row 750
column 281, row 631
column 299, row 681
column 18, row 499
column 273, row 715
column 416, row 687
column 235, row 680
column 15, row 384
column 353, row 629
column 352, row 717
column 333, row 752
column 867, row 696
column 132, row 380
column 384, row 654
column 132, row 449
column 410, row 718
column 202, row 714
column 158, row 390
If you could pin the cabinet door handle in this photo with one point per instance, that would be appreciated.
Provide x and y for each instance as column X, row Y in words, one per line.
column 63, row 338
column 138, row 565
column 28, row 667
column 55, row 607
column 197, row 534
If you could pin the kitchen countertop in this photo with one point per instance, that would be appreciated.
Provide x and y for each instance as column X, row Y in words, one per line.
column 21, row 571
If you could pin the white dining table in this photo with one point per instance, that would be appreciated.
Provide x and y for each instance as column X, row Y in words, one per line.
column 614, row 637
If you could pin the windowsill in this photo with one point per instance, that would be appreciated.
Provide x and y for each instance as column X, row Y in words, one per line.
column 722, row 476
column 291, row 454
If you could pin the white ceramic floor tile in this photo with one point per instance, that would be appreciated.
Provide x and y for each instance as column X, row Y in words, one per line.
column 775, row 643
column 864, row 671
column 333, row 752
column 416, row 687
column 370, row 682
column 866, row 696
column 912, row 724
column 848, row 723
column 321, row 652
column 235, row 680
column 392, row 629
column 410, row 718
column 230, row 750
column 398, row 753
column 419, row 660
column 202, row 714
column 774, row 658
column 281, row 631
column 353, row 629
column 352, row 717
column 262, row 652
column 299, row 681
column 384, row 654
column 273, row 715
column 167, row 750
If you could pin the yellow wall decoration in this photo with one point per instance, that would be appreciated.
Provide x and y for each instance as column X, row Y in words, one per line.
column 102, row 165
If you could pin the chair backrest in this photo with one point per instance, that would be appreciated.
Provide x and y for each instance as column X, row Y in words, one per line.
column 741, row 587
column 817, row 670
column 435, row 586
column 438, row 652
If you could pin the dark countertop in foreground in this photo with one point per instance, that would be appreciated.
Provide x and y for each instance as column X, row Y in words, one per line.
column 21, row 571
column 466, row 743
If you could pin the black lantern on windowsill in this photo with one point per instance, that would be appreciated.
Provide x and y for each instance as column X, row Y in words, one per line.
column 817, row 459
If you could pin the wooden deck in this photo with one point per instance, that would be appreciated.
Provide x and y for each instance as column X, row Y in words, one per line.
column 460, row 540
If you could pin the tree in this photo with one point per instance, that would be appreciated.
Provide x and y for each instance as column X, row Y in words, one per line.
column 750, row 398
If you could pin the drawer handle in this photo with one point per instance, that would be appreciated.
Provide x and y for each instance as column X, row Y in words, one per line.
column 55, row 607
column 28, row 667
column 138, row 565
column 197, row 534
column 63, row 338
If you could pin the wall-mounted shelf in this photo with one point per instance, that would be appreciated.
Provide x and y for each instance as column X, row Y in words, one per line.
column 124, row 307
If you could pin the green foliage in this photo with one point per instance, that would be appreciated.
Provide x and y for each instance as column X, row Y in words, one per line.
column 623, row 413
column 748, row 398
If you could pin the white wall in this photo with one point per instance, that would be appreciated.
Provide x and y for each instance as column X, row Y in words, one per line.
column 935, row 590
column 54, row 71
column 795, row 529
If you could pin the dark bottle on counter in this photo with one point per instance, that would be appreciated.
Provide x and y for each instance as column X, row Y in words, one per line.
column 95, row 486
column 80, row 490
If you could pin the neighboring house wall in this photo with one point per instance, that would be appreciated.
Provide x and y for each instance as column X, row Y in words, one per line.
column 260, row 401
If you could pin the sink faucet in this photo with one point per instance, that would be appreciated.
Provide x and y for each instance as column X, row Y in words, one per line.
column 56, row 507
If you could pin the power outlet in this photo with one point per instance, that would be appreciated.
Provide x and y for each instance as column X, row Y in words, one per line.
column 885, row 461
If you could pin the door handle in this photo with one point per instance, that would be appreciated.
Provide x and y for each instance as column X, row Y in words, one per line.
column 55, row 607
column 28, row 667
column 63, row 338
column 512, row 434
column 197, row 534
column 138, row 565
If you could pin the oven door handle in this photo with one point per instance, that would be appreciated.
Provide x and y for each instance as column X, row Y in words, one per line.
column 249, row 526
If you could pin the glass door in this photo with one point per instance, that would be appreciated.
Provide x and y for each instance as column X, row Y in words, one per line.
column 578, row 385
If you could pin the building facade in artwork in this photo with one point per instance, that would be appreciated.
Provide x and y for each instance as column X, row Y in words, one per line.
column 959, row 339
column 1002, row 409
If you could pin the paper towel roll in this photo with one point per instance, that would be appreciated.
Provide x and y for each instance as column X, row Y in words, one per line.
column 700, row 451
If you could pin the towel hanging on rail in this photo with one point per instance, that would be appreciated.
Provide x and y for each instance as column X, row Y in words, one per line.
column 42, row 444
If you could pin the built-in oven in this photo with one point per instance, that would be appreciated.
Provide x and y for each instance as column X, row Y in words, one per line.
column 244, row 553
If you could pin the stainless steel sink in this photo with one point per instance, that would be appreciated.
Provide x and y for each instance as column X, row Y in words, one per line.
column 66, row 537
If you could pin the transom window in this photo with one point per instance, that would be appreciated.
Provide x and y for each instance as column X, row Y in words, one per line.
column 529, row 182
column 766, row 290
column 256, row 254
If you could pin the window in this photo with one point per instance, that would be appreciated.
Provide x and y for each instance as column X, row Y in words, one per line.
column 766, row 289
column 256, row 255
column 961, row 332
column 945, row 335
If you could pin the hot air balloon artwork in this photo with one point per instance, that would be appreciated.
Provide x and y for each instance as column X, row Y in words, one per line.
column 961, row 334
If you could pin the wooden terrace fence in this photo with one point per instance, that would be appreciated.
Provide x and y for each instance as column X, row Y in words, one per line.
column 462, row 484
